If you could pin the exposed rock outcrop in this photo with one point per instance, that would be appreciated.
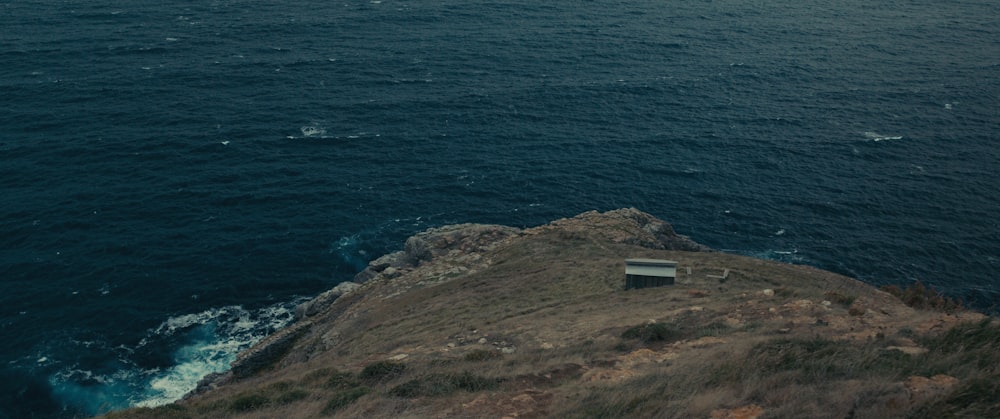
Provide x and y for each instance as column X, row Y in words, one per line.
column 458, row 241
column 322, row 301
column 625, row 226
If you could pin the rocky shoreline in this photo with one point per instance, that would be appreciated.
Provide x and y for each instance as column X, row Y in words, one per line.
column 463, row 245
column 477, row 320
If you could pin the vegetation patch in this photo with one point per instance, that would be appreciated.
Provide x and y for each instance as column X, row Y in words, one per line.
column 444, row 384
column 553, row 377
column 342, row 380
column 653, row 332
column 248, row 402
column 976, row 398
column 983, row 336
column 482, row 355
column 712, row 329
column 292, row 396
column 382, row 371
column 595, row 407
column 810, row 361
column 344, row 398
column 839, row 298
column 921, row 297
column 974, row 347
column 646, row 396
column 169, row 411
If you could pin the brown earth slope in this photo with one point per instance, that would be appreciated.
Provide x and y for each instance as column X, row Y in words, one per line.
column 489, row 321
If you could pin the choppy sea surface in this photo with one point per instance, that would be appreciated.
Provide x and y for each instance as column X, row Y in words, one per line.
column 175, row 175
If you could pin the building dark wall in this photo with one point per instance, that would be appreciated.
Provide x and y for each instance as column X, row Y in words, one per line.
column 643, row 281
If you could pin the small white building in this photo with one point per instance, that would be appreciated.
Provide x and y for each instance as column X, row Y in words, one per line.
column 645, row 273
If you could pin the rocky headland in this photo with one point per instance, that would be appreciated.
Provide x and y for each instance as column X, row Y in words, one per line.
column 486, row 321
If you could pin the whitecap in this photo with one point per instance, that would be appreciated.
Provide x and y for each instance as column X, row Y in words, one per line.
column 874, row 136
column 312, row 131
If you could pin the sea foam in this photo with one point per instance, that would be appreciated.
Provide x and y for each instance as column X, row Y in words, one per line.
column 212, row 339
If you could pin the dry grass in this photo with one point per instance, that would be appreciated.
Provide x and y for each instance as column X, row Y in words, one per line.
column 548, row 331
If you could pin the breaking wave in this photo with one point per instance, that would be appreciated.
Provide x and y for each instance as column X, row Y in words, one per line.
column 211, row 339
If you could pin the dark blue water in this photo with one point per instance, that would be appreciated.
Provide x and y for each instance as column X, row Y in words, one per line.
column 175, row 175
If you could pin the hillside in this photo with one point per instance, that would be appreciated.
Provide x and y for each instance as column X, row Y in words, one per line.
column 492, row 321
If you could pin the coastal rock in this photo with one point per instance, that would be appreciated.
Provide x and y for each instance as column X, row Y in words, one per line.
column 625, row 226
column 456, row 240
column 464, row 238
column 268, row 351
column 208, row 383
column 322, row 301
column 394, row 259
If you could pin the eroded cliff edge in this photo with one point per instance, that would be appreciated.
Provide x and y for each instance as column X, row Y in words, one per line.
column 492, row 321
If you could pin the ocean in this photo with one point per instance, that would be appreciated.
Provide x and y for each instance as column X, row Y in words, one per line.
column 175, row 176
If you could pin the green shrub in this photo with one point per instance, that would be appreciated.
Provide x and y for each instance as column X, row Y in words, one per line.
column 982, row 336
column 281, row 385
column 816, row 360
column 712, row 329
column 652, row 332
column 318, row 375
column 342, row 380
column 473, row 383
column 785, row 292
column 907, row 332
column 248, row 402
column 921, row 297
column 482, row 355
column 443, row 384
column 412, row 388
column 970, row 345
column 976, row 398
column 292, row 396
column 601, row 409
column 838, row 298
column 382, row 371
column 344, row 398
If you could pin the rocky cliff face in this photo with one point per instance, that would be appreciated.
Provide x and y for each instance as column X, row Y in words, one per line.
column 491, row 321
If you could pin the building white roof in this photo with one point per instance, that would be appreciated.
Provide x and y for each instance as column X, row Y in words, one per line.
column 651, row 267
column 652, row 262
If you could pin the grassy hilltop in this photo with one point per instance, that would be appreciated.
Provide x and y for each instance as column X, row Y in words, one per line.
column 488, row 321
